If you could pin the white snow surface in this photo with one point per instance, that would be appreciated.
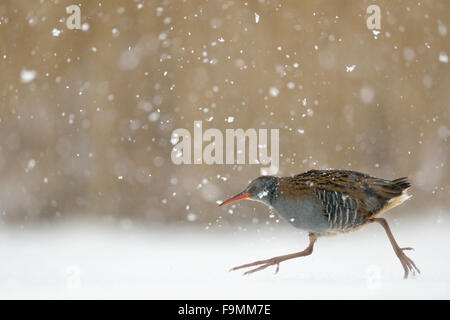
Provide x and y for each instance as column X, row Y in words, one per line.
column 88, row 261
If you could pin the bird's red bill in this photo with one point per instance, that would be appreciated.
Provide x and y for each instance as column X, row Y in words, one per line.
column 240, row 196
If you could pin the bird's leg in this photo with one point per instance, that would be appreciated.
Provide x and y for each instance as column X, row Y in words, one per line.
column 407, row 263
column 276, row 260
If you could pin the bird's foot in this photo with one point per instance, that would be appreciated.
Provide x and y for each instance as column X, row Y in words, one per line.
column 262, row 265
column 277, row 260
column 407, row 263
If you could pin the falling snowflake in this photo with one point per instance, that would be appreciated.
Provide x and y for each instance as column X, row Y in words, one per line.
column 27, row 76
column 274, row 92
column 443, row 57
column 256, row 17
column 56, row 32
column 350, row 68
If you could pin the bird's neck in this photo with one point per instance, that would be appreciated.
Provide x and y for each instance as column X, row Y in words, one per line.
column 272, row 192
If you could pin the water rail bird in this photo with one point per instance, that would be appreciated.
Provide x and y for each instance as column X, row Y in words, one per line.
column 328, row 202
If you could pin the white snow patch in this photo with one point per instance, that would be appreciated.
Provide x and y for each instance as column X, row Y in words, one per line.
column 443, row 57
column 85, row 27
column 442, row 28
column 262, row 194
column 350, row 68
column 256, row 17
column 153, row 117
column 191, row 217
column 274, row 91
column 27, row 76
column 30, row 165
column 95, row 262
column 56, row 32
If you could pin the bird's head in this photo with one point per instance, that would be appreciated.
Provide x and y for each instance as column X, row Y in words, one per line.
column 261, row 189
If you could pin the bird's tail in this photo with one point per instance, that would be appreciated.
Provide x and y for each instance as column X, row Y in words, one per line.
column 401, row 185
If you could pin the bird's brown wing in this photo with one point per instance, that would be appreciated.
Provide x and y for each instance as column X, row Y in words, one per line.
column 350, row 191
column 340, row 209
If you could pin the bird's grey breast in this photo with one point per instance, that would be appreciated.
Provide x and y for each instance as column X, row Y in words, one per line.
column 305, row 213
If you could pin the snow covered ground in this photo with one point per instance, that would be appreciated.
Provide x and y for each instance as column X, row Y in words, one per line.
column 85, row 261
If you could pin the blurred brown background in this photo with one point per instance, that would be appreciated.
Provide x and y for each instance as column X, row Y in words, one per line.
column 86, row 115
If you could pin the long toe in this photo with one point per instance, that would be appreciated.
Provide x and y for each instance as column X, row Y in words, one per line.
column 256, row 263
column 256, row 269
column 408, row 265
